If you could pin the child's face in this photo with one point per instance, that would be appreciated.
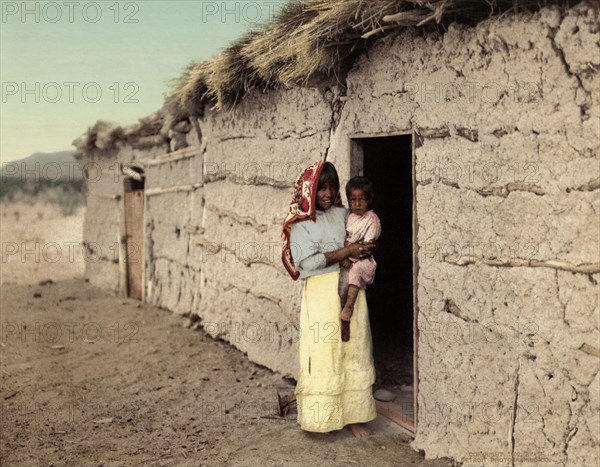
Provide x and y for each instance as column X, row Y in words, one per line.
column 358, row 201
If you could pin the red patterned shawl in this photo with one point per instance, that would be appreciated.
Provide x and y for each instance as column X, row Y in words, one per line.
column 302, row 207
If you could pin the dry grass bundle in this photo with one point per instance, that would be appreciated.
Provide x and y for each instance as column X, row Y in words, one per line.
column 272, row 51
column 231, row 74
column 316, row 38
column 191, row 92
column 106, row 135
column 318, row 46
column 101, row 135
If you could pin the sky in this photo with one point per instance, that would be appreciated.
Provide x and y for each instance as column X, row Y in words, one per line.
column 66, row 64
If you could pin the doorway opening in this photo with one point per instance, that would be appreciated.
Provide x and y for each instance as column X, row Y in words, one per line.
column 388, row 161
column 132, row 237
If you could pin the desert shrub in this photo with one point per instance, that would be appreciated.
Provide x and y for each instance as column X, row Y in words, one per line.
column 67, row 194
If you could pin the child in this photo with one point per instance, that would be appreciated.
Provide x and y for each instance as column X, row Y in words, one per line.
column 362, row 225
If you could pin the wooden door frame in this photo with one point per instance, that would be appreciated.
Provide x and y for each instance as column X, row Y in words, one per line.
column 356, row 168
column 122, row 243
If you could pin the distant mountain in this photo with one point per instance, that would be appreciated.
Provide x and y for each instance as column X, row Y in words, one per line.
column 47, row 166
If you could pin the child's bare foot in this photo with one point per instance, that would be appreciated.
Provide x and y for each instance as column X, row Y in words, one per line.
column 345, row 317
column 345, row 331
column 359, row 430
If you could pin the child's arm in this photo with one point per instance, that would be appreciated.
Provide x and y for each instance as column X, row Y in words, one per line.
column 373, row 230
column 353, row 250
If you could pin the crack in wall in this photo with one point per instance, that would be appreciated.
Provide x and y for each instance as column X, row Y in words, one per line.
column 337, row 101
column 451, row 307
column 592, row 185
column 262, row 296
column 570, row 436
column 179, row 290
column 193, row 229
column 172, row 189
column 513, row 415
column 583, row 108
column 568, row 433
column 150, row 260
column 583, row 268
column 243, row 220
column 213, row 248
column 433, row 133
column 178, row 263
column 256, row 180
column 294, row 135
column 504, row 191
column 175, row 277
column 543, row 428
column 563, row 305
column 590, row 350
column 228, row 138
column 303, row 134
column 501, row 191
column 468, row 133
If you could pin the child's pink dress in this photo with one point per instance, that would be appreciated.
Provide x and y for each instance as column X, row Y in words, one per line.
column 364, row 228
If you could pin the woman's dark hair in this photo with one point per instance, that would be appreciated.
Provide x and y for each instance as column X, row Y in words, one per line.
column 363, row 183
column 329, row 176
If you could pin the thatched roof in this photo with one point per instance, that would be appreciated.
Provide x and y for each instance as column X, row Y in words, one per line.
column 106, row 135
column 317, row 39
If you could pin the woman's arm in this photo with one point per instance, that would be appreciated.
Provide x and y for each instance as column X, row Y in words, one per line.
column 353, row 250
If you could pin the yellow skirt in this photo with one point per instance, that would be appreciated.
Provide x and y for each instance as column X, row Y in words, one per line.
column 335, row 380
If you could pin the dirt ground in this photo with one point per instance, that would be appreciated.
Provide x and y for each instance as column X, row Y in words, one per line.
column 92, row 379
column 38, row 241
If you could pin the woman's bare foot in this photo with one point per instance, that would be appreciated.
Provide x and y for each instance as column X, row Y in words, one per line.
column 359, row 430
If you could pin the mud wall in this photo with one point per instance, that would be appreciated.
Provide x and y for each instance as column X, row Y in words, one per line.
column 101, row 224
column 214, row 203
column 104, row 198
column 505, row 117
column 507, row 171
column 174, row 200
column 252, row 157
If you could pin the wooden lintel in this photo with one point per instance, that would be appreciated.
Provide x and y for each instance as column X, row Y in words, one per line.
column 380, row 134
column 173, row 189
column 174, row 156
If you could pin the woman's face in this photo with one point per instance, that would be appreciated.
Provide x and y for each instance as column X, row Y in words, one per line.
column 326, row 196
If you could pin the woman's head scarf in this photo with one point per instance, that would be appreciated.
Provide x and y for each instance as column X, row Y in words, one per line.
column 302, row 207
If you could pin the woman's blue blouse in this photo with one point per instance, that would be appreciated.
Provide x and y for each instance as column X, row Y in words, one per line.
column 310, row 240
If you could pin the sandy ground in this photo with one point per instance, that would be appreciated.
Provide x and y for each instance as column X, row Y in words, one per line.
column 92, row 379
column 38, row 241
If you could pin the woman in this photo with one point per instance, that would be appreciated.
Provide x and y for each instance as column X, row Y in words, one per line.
column 335, row 379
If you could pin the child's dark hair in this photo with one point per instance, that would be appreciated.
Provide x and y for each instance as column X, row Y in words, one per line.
column 329, row 176
column 363, row 183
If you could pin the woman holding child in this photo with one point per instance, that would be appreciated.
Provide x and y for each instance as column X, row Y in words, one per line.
column 335, row 381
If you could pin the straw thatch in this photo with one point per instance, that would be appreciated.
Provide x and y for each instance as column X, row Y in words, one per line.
column 317, row 39
column 106, row 135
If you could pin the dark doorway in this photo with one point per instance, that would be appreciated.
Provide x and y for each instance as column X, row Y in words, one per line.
column 388, row 162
